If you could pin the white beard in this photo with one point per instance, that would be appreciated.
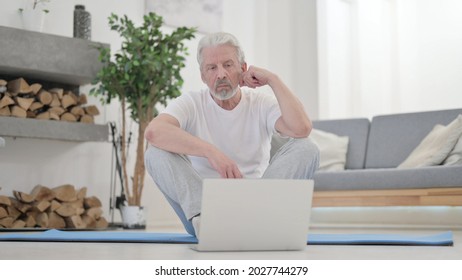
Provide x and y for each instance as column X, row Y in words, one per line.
column 225, row 94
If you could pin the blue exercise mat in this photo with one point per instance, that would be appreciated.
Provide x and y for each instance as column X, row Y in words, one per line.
column 440, row 239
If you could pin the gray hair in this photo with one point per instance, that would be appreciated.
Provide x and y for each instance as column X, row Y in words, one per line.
column 220, row 38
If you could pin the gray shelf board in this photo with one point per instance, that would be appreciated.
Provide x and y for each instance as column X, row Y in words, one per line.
column 48, row 57
column 53, row 130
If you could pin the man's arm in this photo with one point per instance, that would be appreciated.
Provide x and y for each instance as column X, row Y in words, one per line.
column 164, row 132
column 294, row 121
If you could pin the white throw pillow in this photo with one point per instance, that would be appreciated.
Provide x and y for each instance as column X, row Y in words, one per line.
column 455, row 156
column 436, row 146
column 332, row 149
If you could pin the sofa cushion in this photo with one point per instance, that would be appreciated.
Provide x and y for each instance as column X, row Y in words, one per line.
column 357, row 131
column 455, row 156
column 389, row 178
column 332, row 150
column 436, row 146
column 393, row 137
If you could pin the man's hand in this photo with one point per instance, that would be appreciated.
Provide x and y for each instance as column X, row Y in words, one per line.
column 255, row 77
column 225, row 166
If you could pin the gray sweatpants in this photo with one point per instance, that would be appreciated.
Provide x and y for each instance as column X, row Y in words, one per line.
column 182, row 185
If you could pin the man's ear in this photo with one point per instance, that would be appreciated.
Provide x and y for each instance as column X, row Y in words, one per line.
column 244, row 67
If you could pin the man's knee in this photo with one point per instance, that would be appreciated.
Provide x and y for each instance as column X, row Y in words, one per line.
column 303, row 148
column 154, row 155
column 156, row 160
column 151, row 156
column 154, row 152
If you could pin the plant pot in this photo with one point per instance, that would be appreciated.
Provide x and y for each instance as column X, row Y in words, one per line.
column 133, row 217
column 33, row 19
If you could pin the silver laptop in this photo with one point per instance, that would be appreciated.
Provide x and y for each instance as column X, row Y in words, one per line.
column 254, row 214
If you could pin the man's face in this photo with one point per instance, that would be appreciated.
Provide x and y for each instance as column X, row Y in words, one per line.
column 221, row 71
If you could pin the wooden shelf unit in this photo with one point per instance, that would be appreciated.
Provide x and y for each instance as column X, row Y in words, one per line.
column 394, row 197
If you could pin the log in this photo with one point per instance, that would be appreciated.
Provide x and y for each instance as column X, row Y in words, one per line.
column 3, row 83
column 19, row 112
column 95, row 212
column 68, row 117
column 77, row 205
column 87, row 119
column 58, row 91
column 42, row 205
column 66, row 210
column 72, row 95
column 18, row 224
column 4, row 200
column 59, row 207
column 19, row 99
column 55, row 102
column 5, row 101
column 102, row 223
column 42, row 193
column 56, row 221
column 65, row 193
column 54, row 205
column 89, row 221
column 35, row 106
column 23, row 197
column 7, row 222
column 24, row 103
column 57, row 110
column 92, row 202
column 77, row 111
column 42, row 220
column 3, row 212
column 19, row 206
column 13, row 212
column 53, row 116
column 43, row 116
column 68, row 101
column 92, row 110
column 30, row 221
column 18, row 86
column 82, row 193
column 5, row 112
column 35, row 88
column 82, row 99
column 45, row 97
column 31, row 115
column 75, row 222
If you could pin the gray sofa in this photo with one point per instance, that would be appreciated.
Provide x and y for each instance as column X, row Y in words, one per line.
column 378, row 146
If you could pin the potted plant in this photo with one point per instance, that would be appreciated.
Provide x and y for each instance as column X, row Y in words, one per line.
column 33, row 14
column 145, row 72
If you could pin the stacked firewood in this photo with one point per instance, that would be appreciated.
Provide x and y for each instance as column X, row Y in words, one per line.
column 19, row 99
column 59, row 207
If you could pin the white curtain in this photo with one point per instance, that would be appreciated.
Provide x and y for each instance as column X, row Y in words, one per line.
column 388, row 56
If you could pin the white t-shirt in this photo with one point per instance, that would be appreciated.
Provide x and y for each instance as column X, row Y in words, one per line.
column 243, row 134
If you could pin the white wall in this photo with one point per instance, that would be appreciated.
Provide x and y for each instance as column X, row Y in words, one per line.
column 264, row 28
column 388, row 56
